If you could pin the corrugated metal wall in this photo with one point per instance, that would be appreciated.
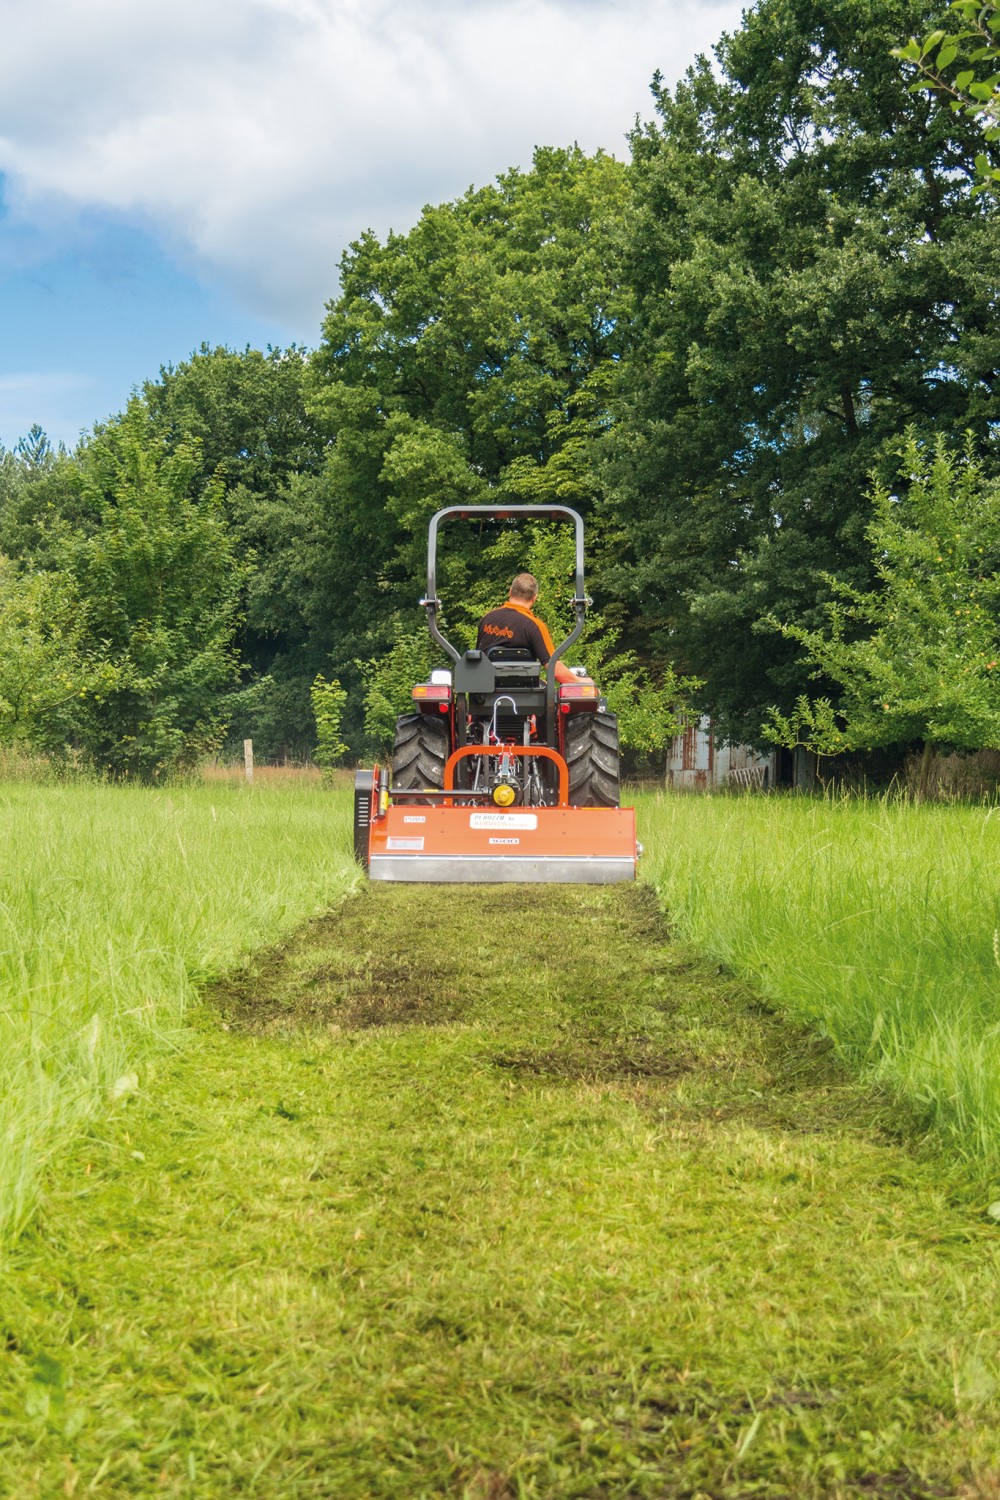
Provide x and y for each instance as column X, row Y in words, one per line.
column 696, row 763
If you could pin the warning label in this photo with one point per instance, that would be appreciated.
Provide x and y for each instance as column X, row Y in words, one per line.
column 503, row 820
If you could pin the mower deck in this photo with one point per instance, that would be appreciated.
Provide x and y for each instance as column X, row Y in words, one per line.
column 476, row 845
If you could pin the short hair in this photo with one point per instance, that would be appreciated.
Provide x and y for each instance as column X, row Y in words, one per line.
column 525, row 587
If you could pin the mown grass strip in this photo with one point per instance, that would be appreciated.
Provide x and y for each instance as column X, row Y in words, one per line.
column 497, row 1194
column 115, row 905
column 877, row 921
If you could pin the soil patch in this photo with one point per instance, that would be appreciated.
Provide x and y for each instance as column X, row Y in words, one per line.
column 594, row 1062
column 358, row 982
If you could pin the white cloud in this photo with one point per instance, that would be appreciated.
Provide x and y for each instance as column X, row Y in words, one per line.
column 257, row 137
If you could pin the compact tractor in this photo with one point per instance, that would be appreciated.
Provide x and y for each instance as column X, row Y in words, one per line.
column 501, row 773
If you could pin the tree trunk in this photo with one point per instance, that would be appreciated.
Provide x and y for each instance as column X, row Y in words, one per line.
column 923, row 780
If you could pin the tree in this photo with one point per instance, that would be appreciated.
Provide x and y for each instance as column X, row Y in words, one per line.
column 918, row 656
column 489, row 317
column 466, row 361
column 161, row 583
column 328, row 707
column 46, row 668
column 811, row 274
column 35, row 451
column 246, row 409
column 38, row 495
column 942, row 60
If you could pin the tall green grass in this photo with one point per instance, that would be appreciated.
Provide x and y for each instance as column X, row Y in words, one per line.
column 879, row 921
column 115, row 904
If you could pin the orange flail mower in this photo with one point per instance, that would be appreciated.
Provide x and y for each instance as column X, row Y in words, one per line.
column 497, row 775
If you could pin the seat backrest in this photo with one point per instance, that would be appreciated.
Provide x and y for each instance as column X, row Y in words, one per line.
column 510, row 653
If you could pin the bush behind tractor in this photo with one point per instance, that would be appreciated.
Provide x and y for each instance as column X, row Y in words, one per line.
column 500, row 773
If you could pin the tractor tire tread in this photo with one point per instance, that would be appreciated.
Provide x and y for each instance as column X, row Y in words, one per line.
column 591, row 752
column 419, row 752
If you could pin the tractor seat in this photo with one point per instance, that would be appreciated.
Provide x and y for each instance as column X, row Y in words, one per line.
column 515, row 667
column 510, row 653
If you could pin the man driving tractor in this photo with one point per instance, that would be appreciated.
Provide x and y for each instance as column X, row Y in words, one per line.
column 515, row 625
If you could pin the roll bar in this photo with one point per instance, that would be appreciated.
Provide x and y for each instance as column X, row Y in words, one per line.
column 503, row 513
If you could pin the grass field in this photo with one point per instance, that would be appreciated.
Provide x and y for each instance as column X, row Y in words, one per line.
column 878, row 922
column 116, row 904
column 496, row 1195
column 437, row 1206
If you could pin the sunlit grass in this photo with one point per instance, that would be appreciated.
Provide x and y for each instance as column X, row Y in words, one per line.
column 486, row 1193
column 498, row 1195
column 876, row 920
column 115, row 905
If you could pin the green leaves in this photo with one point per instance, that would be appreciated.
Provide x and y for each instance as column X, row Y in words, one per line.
column 161, row 583
column 968, row 92
column 709, row 352
column 467, row 361
column 811, row 272
column 328, row 699
column 813, row 724
column 390, row 678
column 51, row 669
column 918, row 657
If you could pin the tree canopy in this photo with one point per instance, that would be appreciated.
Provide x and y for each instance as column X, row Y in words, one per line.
column 713, row 351
column 812, row 274
column 916, row 657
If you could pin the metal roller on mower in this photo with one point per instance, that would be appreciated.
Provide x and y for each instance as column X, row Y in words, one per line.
column 498, row 775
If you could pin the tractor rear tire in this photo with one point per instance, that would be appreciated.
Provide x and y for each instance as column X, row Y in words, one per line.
column 591, row 751
column 420, row 750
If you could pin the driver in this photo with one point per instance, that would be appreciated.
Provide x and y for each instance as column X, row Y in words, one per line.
column 514, row 624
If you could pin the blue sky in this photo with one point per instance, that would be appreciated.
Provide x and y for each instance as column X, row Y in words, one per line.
column 178, row 174
column 98, row 311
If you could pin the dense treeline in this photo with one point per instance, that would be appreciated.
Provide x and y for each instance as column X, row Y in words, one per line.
column 732, row 353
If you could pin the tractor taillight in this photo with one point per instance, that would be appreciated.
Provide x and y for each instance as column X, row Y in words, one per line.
column 434, row 692
column 576, row 690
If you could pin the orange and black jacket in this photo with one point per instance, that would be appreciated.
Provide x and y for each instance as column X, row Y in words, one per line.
column 514, row 625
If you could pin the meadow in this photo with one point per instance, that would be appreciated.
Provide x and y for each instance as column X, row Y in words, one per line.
column 435, row 1206
column 875, row 921
column 411, row 1199
column 116, row 905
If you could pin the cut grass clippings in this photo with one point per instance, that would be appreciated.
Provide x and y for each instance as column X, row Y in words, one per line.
column 560, row 1213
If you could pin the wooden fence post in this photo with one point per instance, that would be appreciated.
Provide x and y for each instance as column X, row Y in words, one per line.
column 248, row 758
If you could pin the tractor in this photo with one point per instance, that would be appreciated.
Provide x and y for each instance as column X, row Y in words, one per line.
column 500, row 773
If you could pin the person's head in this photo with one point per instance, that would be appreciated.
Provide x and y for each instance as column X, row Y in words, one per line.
column 524, row 589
